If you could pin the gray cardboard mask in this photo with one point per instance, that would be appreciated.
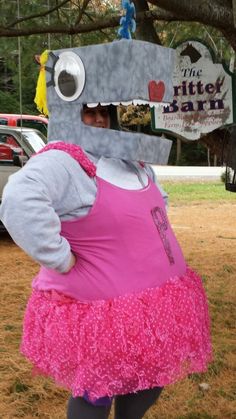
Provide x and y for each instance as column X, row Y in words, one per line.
column 123, row 71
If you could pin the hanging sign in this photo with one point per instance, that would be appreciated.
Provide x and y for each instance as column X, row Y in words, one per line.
column 203, row 94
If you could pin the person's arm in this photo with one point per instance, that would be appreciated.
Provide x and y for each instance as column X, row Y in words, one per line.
column 29, row 211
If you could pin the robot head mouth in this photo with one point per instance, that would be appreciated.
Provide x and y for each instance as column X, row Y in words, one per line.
column 116, row 112
column 134, row 102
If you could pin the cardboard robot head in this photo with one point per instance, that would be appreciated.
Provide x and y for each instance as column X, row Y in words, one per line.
column 120, row 72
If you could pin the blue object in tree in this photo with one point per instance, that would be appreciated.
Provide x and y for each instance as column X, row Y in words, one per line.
column 127, row 22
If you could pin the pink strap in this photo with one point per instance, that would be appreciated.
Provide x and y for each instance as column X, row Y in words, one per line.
column 76, row 152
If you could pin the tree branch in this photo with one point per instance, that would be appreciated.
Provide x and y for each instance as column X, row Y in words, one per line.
column 108, row 38
column 83, row 8
column 84, row 28
column 30, row 17
column 209, row 12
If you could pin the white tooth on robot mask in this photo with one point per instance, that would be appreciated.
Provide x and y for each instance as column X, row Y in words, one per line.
column 92, row 105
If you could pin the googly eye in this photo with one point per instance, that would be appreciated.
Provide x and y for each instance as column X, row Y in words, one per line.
column 69, row 76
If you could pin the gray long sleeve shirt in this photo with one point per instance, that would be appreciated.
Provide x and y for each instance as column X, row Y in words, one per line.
column 53, row 187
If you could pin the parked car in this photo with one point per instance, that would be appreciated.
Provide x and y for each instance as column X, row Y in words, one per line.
column 8, row 151
column 38, row 122
column 16, row 146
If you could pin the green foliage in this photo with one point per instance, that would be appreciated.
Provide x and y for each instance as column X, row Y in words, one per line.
column 223, row 176
column 19, row 69
column 173, row 33
column 193, row 153
column 19, row 387
column 17, row 64
column 14, row 65
column 9, row 327
column 8, row 103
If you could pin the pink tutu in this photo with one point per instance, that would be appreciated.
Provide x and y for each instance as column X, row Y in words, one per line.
column 119, row 346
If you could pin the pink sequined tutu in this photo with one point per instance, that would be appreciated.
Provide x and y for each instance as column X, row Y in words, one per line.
column 119, row 346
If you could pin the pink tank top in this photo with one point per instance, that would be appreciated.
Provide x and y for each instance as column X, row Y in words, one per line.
column 124, row 245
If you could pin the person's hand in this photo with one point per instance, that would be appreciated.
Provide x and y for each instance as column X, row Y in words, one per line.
column 72, row 262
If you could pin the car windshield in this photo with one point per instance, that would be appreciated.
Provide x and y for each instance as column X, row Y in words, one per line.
column 35, row 139
column 32, row 123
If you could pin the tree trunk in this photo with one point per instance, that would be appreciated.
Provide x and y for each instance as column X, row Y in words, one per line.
column 208, row 156
column 145, row 31
column 178, row 151
column 234, row 11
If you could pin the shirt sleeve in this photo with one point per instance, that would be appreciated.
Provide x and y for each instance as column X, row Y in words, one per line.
column 28, row 211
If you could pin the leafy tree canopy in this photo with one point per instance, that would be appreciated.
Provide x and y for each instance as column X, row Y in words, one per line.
column 29, row 27
column 85, row 16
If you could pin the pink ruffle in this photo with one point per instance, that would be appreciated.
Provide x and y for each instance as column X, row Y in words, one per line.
column 123, row 345
column 76, row 152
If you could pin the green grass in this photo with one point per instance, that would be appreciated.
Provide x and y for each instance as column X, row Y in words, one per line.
column 190, row 192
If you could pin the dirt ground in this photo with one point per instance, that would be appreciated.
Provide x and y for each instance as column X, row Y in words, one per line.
column 207, row 233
